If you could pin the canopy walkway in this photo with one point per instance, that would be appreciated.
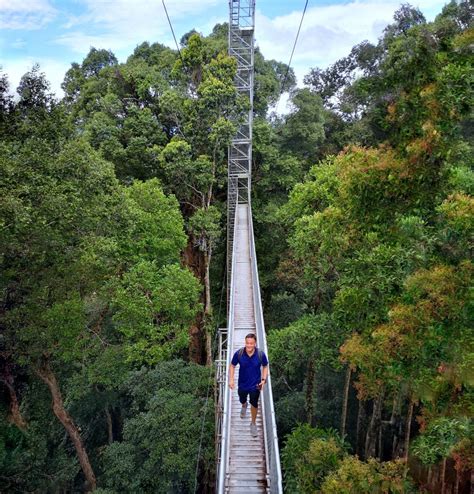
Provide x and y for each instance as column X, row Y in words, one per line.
column 245, row 464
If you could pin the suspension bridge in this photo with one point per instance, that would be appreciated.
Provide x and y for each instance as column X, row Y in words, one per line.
column 245, row 464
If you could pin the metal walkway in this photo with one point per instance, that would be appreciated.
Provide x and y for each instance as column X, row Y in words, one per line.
column 247, row 464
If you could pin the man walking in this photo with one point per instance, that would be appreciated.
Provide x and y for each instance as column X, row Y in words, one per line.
column 251, row 381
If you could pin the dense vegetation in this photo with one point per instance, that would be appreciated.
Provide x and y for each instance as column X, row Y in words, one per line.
column 112, row 230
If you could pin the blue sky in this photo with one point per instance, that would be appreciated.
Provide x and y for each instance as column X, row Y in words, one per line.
column 55, row 33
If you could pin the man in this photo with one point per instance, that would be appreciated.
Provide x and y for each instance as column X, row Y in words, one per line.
column 251, row 382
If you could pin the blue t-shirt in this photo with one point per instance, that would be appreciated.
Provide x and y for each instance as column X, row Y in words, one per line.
column 249, row 373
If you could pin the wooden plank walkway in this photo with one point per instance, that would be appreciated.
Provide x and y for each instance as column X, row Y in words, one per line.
column 247, row 466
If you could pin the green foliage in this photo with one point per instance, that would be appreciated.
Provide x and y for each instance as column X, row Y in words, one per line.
column 309, row 338
column 322, row 457
column 303, row 131
column 390, row 211
column 35, row 458
column 421, row 336
column 308, row 456
column 289, row 410
column 362, row 202
column 355, row 476
column 269, row 78
column 441, row 438
column 316, row 193
column 72, row 237
column 156, row 231
column 162, row 437
column 204, row 225
column 153, row 309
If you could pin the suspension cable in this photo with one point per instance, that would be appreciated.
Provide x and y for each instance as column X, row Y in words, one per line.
column 172, row 30
column 294, row 46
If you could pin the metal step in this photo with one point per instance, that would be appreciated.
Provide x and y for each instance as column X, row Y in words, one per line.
column 242, row 482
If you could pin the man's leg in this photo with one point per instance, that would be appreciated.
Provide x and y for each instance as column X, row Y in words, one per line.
column 243, row 401
column 254, row 395
column 253, row 413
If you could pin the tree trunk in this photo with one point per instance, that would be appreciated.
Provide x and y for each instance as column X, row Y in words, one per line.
column 110, row 429
column 443, row 476
column 309, row 403
column 208, row 307
column 207, row 284
column 408, row 430
column 369, row 432
column 345, row 400
column 360, row 421
column 406, row 444
column 379, row 442
column 15, row 414
column 372, row 430
column 208, row 348
column 456, row 482
column 395, row 421
column 193, row 258
column 46, row 374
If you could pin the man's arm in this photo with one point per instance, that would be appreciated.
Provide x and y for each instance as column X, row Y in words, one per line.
column 265, row 370
column 264, row 376
column 231, row 376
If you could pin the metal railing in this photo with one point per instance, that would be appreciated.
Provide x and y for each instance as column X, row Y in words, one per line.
column 272, row 454
column 268, row 411
column 241, row 46
column 221, row 361
column 223, row 457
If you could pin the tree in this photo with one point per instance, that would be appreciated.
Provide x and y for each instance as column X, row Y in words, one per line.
column 442, row 438
column 162, row 440
column 6, row 104
column 309, row 455
column 33, row 90
column 306, row 343
column 96, row 60
column 354, row 475
column 303, row 131
column 70, row 238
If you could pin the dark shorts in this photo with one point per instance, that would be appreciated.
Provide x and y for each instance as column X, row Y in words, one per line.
column 253, row 397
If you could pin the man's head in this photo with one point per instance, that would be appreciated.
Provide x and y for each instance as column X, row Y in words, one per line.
column 250, row 342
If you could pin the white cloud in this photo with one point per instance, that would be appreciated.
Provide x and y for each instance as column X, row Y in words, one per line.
column 18, row 43
column 53, row 69
column 120, row 24
column 25, row 14
column 329, row 32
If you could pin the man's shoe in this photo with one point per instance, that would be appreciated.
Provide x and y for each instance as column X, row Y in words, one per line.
column 253, row 429
column 243, row 412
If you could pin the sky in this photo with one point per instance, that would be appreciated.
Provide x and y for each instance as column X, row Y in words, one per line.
column 55, row 33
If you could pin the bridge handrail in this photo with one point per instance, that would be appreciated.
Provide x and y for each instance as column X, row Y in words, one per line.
column 226, row 416
column 268, row 409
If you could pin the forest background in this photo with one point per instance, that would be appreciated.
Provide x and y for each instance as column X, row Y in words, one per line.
column 112, row 227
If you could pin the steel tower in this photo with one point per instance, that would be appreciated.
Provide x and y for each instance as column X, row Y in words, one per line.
column 241, row 47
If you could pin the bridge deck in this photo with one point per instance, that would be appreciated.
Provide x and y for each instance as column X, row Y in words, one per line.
column 247, row 466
